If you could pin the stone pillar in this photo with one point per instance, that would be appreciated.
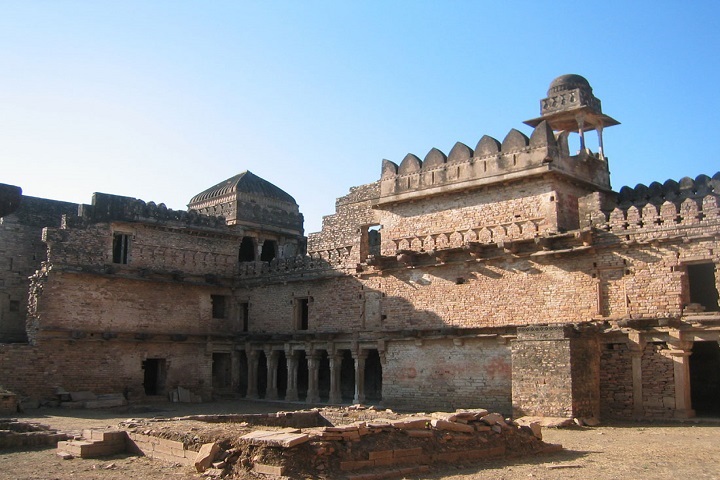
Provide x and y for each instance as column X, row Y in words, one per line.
column 359, row 376
column 235, row 370
column 291, row 394
column 601, row 148
column 636, row 346
column 252, row 391
column 272, row 363
column 581, row 130
column 636, row 358
column 681, row 363
column 335, row 368
column 313, row 393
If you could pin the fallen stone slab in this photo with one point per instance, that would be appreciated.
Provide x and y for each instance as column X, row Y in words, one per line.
column 274, row 438
column 451, row 426
column 547, row 422
column 205, row 456
column 411, row 423
column 493, row 419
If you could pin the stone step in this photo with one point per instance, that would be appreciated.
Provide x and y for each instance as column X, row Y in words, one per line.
column 90, row 449
column 107, row 436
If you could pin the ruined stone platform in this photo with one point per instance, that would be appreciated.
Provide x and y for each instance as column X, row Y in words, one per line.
column 328, row 443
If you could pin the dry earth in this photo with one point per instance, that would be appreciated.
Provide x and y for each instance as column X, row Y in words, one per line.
column 627, row 451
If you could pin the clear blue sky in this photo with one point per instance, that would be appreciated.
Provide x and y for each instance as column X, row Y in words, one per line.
column 160, row 100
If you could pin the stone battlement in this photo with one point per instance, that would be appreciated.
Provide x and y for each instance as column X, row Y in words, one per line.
column 491, row 162
column 107, row 208
column 687, row 203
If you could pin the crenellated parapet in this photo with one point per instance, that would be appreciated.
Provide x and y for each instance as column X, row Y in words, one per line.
column 492, row 162
column 642, row 211
column 108, row 208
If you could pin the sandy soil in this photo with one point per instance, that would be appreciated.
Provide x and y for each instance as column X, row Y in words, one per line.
column 630, row 451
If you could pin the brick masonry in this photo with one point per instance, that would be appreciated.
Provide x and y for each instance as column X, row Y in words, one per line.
column 476, row 249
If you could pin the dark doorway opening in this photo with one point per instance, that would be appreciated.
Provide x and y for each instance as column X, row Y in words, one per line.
column 701, row 279
column 244, row 316
column 154, row 376
column 282, row 375
column 705, row 378
column 221, row 371
column 269, row 250
column 302, row 376
column 243, row 373
column 302, row 313
column 247, row 250
column 262, row 375
column 324, row 377
column 373, row 376
column 347, row 377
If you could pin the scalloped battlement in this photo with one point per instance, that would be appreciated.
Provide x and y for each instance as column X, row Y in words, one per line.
column 671, row 204
column 491, row 162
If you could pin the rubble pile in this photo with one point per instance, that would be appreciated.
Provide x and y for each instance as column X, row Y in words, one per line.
column 363, row 449
column 14, row 433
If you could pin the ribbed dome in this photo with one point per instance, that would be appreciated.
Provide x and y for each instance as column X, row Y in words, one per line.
column 568, row 82
column 245, row 182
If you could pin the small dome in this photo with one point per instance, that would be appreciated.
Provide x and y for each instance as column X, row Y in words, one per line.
column 245, row 182
column 568, row 82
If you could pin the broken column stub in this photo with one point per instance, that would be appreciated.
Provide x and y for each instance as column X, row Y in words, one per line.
column 555, row 372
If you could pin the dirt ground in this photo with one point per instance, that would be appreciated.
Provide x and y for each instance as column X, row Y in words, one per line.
column 629, row 451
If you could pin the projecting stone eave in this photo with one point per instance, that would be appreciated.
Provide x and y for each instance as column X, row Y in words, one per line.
column 567, row 120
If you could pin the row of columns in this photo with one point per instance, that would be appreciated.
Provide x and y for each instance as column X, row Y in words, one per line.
column 313, row 363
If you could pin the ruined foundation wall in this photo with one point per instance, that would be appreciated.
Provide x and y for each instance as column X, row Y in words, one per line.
column 447, row 374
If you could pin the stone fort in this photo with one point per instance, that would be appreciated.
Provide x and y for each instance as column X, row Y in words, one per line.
column 510, row 276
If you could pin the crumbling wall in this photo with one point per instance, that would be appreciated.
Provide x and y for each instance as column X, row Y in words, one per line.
column 341, row 233
column 21, row 251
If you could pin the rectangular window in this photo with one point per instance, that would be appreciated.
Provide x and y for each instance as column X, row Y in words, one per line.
column 121, row 247
column 301, row 313
column 219, row 306
column 703, row 289
column 245, row 316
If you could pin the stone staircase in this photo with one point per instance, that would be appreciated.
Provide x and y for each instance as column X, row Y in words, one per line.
column 95, row 443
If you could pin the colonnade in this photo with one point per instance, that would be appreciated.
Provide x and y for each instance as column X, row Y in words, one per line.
column 293, row 368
